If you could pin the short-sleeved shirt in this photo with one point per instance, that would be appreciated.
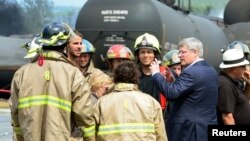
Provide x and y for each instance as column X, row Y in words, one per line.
column 232, row 100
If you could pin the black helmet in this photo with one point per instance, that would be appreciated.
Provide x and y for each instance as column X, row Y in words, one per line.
column 54, row 34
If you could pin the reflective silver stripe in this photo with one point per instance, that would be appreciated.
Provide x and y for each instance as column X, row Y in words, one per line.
column 125, row 127
column 44, row 100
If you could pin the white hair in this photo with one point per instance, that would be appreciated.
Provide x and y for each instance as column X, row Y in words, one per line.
column 192, row 43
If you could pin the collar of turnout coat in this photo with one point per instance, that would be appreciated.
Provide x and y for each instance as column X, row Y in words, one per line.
column 125, row 87
column 53, row 55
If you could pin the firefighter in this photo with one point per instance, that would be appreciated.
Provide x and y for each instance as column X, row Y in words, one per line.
column 147, row 48
column 49, row 96
column 240, row 45
column 172, row 60
column 116, row 54
column 126, row 113
column 98, row 80
column 74, row 46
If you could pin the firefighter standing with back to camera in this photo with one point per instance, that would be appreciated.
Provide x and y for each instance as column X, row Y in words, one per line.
column 49, row 96
column 126, row 113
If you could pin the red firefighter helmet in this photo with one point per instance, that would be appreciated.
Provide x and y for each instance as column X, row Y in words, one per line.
column 119, row 51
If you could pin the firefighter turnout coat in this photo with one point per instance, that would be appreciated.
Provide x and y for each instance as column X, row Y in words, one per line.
column 127, row 114
column 91, row 72
column 49, row 97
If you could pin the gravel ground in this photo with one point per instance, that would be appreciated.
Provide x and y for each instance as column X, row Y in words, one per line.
column 5, row 126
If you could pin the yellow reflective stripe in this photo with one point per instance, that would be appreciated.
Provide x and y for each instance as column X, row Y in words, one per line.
column 49, row 54
column 47, row 75
column 18, row 130
column 34, row 50
column 54, row 39
column 44, row 100
column 90, row 131
column 125, row 127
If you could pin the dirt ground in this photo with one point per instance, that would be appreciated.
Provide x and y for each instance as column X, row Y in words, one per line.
column 4, row 103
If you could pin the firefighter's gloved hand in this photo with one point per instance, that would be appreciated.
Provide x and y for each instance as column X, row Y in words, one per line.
column 155, row 67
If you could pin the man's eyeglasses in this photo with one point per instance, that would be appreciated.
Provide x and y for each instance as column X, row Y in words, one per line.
column 184, row 51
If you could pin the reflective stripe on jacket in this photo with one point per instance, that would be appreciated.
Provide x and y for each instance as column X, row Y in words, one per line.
column 47, row 101
column 125, row 127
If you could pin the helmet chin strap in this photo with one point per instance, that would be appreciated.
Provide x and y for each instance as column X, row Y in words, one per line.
column 90, row 58
column 71, row 32
column 87, row 65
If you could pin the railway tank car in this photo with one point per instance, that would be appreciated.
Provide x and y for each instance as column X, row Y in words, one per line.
column 237, row 11
column 11, row 58
column 108, row 22
column 237, row 21
column 238, row 31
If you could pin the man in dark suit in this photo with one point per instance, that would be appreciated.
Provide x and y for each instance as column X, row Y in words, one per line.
column 194, row 94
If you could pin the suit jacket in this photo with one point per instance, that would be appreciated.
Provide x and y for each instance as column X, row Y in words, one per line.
column 194, row 97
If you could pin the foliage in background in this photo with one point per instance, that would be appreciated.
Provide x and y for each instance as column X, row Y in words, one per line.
column 37, row 14
column 66, row 14
column 11, row 18
column 203, row 7
column 22, row 17
column 25, row 18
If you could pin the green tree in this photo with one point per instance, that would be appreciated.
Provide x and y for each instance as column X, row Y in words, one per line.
column 11, row 18
column 202, row 7
column 37, row 14
column 24, row 16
